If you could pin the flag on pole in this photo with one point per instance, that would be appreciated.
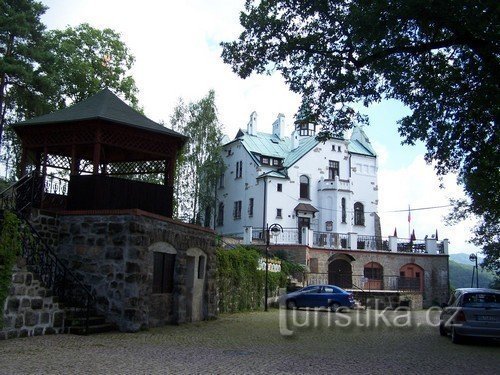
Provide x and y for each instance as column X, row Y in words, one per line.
column 409, row 214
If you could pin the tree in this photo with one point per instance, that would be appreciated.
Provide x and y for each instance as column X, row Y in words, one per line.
column 86, row 60
column 21, row 52
column 440, row 58
column 200, row 164
column 71, row 65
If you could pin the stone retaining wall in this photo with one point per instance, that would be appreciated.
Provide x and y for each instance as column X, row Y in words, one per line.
column 111, row 252
column 29, row 309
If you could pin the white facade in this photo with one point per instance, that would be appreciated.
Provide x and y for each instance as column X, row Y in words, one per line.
column 268, row 168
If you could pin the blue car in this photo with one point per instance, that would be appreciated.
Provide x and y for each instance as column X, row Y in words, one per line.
column 329, row 296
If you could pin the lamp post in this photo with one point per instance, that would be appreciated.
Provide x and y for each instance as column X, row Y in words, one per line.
column 473, row 258
column 273, row 230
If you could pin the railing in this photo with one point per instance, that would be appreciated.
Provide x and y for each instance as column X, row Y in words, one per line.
column 363, row 283
column 372, row 243
column 415, row 246
column 331, row 240
column 40, row 259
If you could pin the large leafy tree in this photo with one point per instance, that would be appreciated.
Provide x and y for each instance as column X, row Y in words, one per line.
column 440, row 58
column 21, row 53
column 200, row 164
column 43, row 71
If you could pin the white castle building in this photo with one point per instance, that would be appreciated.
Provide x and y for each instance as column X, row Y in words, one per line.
column 298, row 182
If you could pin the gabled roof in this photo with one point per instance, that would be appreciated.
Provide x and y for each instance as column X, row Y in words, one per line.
column 265, row 144
column 275, row 174
column 102, row 106
column 360, row 144
column 305, row 207
column 305, row 145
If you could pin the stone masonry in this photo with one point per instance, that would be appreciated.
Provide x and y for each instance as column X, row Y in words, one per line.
column 29, row 309
column 111, row 253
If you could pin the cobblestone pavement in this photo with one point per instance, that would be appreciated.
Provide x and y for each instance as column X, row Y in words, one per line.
column 252, row 343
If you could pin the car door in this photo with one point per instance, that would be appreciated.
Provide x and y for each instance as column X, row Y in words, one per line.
column 310, row 297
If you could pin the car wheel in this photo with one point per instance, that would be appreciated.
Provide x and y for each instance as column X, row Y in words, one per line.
column 334, row 307
column 291, row 305
column 442, row 330
column 455, row 337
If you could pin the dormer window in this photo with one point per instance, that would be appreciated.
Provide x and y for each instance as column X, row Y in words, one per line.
column 276, row 162
column 265, row 160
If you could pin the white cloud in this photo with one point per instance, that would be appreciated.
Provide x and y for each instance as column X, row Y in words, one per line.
column 417, row 185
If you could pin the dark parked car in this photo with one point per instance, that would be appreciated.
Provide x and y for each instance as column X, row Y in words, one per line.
column 471, row 312
column 330, row 296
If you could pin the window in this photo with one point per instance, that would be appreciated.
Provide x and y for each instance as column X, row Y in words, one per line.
column 237, row 210
column 333, row 169
column 373, row 271
column 339, row 149
column 279, row 187
column 163, row 272
column 239, row 169
column 304, row 187
column 250, row 207
column 265, row 160
column 220, row 215
column 359, row 214
column 344, row 214
column 276, row 162
column 201, row 267
column 278, row 213
column 221, row 180
column 229, row 152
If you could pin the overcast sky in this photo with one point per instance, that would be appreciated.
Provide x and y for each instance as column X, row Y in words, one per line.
column 176, row 46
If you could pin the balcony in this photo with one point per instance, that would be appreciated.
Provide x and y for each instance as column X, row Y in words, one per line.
column 346, row 241
column 334, row 184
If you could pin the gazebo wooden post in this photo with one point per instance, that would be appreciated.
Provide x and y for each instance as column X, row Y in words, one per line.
column 22, row 165
column 74, row 161
column 97, row 152
column 169, row 171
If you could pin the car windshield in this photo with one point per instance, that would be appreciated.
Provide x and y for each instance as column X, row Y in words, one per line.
column 481, row 300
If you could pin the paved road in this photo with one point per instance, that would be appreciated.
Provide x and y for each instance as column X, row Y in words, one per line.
column 253, row 343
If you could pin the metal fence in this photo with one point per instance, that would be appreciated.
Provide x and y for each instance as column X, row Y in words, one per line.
column 363, row 283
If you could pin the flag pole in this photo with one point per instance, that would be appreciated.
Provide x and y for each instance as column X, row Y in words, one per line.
column 409, row 220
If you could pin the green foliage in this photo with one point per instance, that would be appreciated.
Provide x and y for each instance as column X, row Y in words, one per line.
column 42, row 71
column 439, row 58
column 241, row 284
column 200, row 163
column 10, row 248
column 461, row 276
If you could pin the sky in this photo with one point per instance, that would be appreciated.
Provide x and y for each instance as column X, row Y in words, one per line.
column 177, row 52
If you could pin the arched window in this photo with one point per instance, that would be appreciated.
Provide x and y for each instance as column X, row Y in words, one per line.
column 359, row 214
column 304, row 187
column 220, row 215
column 344, row 214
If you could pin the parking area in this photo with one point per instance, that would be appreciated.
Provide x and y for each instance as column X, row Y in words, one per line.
column 273, row 342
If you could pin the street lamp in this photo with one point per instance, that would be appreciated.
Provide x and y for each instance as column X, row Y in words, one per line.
column 272, row 230
column 473, row 258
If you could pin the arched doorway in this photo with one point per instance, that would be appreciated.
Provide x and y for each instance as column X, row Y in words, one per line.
column 411, row 277
column 340, row 272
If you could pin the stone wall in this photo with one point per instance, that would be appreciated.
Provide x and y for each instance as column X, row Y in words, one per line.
column 111, row 252
column 436, row 287
column 29, row 309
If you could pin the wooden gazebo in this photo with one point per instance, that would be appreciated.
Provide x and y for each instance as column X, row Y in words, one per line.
column 115, row 157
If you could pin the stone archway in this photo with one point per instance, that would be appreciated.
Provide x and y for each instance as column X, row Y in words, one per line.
column 196, row 264
column 340, row 271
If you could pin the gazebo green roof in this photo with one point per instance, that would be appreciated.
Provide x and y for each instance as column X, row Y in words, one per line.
column 106, row 106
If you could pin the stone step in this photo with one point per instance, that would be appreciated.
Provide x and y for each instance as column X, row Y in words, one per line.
column 98, row 328
column 73, row 321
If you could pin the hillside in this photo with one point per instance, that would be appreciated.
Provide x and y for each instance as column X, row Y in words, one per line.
column 463, row 258
column 461, row 275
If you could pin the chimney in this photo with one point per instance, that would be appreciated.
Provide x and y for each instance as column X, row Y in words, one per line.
column 295, row 139
column 252, row 124
column 279, row 126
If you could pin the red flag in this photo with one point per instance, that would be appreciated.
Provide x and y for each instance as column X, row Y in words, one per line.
column 409, row 214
